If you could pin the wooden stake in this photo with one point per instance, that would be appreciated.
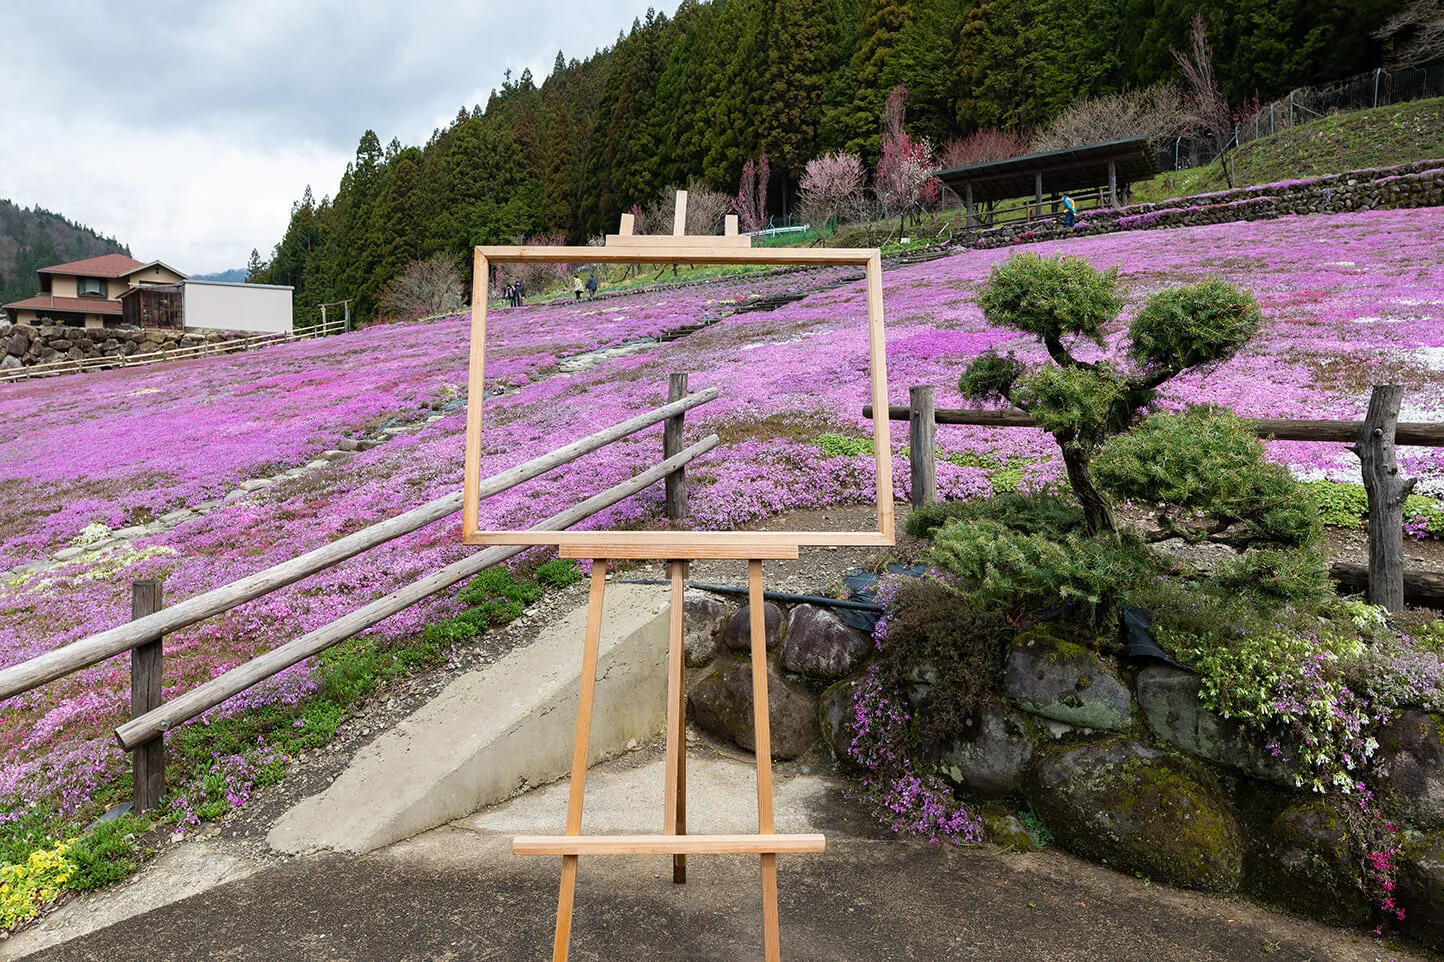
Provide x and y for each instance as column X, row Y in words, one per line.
column 627, row 225
column 147, row 760
column 730, row 228
column 922, row 441
column 1387, row 490
column 675, row 503
column 580, row 749
column 674, row 804
column 762, row 744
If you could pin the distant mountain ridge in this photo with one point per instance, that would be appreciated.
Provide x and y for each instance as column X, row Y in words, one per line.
column 236, row 275
column 32, row 238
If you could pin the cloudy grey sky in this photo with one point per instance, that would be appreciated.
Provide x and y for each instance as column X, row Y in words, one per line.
column 187, row 129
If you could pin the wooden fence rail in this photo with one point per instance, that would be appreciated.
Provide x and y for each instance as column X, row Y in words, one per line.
column 81, row 365
column 1373, row 439
column 143, row 635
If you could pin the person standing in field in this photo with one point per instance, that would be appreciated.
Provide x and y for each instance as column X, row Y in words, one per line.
column 1070, row 211
column 591, row 284
column 577, row 286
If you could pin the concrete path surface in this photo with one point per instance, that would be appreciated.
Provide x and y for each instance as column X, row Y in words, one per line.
column 457, row 893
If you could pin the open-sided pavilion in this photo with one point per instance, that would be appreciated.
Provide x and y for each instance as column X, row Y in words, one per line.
column 1112, row 166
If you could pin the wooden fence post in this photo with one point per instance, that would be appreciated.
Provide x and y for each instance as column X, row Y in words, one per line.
column 676, row 483
column 146, row 662
column 1386, row 490
column 922, row 437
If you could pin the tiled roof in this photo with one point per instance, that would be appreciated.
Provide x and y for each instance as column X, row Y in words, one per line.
column 106, row 265
column 70, row 305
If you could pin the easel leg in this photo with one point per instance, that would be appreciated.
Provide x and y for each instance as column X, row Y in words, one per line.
column 674, row 816
column 579, row 757
column 771, row 925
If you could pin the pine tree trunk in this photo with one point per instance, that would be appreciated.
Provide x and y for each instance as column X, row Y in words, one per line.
column 1096, row 509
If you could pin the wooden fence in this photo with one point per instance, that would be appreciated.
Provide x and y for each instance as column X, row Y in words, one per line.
column 143, row 635
column 81, row 365
column 1373, row 440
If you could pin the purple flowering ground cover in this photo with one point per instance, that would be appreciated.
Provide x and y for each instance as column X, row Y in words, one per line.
column 1349, row 299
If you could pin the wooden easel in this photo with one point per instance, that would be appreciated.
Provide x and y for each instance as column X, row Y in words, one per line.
column 674, row 839
column 602, row 547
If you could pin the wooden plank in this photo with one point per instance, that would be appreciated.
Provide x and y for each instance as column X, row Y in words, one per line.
column 922, row 445
column 147, row 664
column 679, row 215
column 676, row 242
column 734, row 542
column 476, row 388
column 667, row 844
column 1416, row 433
column 725, row 253
column 882, row 435
column 684, row 544
column 675, row 503
column 107, row 644
column 628, row 224
column 1424, row 588
column 729, row 228
column 762, row 746
column 674, row 792
column 238, row 679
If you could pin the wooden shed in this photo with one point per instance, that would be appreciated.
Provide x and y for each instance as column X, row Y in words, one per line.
column 154, row 305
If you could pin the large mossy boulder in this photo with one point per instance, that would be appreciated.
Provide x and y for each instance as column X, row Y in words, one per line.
column 836, row 713
column 1308, row 867
column 1169, row 698
column 1138, row 809
column 738, row 634
column 991, row 757
column 722, row 705
column 1067, row 683
column 1421, row 889
column 820, row 645
column 703, row 619
column 1409, row 770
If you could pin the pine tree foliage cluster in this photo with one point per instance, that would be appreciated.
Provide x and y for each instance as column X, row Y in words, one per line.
column 696, row 95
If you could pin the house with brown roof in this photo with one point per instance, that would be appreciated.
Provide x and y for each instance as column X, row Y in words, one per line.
column 88, row 293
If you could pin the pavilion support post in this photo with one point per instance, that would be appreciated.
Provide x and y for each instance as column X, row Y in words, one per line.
column 1113, row 183
column 1038, row 192
column 971, row 220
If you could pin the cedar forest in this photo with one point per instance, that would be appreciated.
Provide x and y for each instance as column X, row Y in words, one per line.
column 694, row 96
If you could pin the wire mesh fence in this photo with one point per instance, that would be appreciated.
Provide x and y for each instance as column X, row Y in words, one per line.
column 1377, row 88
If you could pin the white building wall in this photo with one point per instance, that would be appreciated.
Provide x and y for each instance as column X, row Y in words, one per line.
column 259, row 308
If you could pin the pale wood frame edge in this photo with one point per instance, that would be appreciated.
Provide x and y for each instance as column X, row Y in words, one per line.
column 869, row 259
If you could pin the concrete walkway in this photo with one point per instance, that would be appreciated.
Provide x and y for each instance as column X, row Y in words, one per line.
column 457, row 893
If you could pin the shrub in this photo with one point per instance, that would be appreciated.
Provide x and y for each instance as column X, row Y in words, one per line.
column 558, row 573
column 1027, row 513
column 1208, row 461
column 946, row 640
column 1082, row 403
column 1298, row 576
column 1007, row 569
column 425, row 288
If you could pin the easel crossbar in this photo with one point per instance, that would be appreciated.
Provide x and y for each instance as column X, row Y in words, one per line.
column 666, row 844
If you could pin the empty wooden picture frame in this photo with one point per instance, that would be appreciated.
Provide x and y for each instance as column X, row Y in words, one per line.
column 676, row 249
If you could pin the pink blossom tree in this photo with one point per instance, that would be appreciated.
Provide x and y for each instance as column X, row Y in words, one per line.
column 903, row 181
column 831, row 188
column 751, row 199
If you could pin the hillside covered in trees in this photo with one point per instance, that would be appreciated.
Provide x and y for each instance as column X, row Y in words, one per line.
column 32, row 238
column 692, row 97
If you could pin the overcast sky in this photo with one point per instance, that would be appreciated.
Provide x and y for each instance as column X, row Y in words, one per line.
column 187, row 129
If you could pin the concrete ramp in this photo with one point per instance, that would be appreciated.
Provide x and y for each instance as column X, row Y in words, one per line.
column 494, row 732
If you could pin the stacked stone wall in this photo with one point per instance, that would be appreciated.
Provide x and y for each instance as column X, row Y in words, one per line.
column 26, row 345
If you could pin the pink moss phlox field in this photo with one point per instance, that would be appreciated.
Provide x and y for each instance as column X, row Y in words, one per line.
column 1349, row 299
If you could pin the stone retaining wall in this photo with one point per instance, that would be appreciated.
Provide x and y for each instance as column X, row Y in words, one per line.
column 1419, row 184
column 24, row 345
column 1122, row 762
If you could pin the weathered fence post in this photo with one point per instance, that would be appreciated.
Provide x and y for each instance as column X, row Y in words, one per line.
column 922, row 436
column 146, row 663
column 1386, row 490
column 676, row 483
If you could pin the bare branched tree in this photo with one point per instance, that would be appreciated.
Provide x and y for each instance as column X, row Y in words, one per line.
column 707, row 209
column 425, row 288
column 983, row 145
column 1156, row 114
column 1206, row 109
column 833, row 188
column 1415, row 33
